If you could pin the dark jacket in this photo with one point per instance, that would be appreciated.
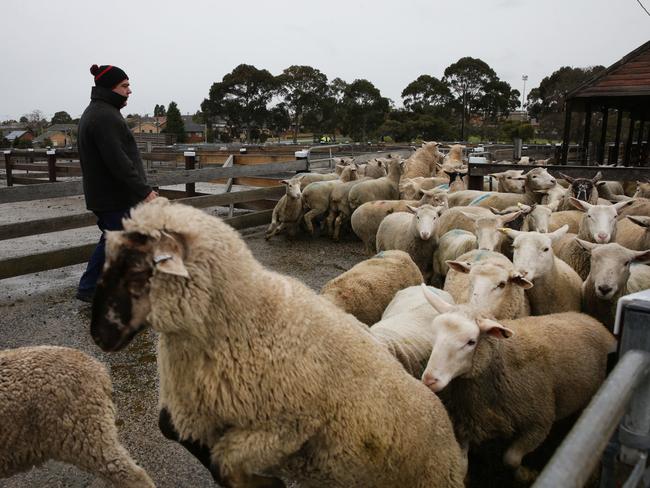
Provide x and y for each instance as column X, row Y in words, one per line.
column 113, row 175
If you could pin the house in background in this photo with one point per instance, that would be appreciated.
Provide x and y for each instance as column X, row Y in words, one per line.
column 148, row 125
column 193, row 132
column 60, row 135
column 16, row 136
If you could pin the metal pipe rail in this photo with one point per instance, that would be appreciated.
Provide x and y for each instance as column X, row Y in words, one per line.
column 580, row 452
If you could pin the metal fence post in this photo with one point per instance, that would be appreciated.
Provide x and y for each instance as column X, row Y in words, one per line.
column 190, row 163
column 8, row 168
column 51, row 164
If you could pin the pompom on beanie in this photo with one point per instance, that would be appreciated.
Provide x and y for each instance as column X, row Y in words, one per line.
column 107, row 76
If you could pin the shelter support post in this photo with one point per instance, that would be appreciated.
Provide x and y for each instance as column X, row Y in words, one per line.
column 567, row 131
column 190, row 163
column 600, row 156
column 9, row 168
column 617, row 140
column 586, row 135
column 628, row 144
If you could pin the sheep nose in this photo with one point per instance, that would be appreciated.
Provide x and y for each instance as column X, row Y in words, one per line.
column 553, row 180
column 429, row 380
column 604, row 289
column 425, row 235
column 602, row 237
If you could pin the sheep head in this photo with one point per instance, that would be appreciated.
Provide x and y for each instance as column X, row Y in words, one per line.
column 582, row 188
column 122, row 298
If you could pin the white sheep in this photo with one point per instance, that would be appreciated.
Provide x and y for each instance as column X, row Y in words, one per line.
column 513, row 379
column 287, row 213
column 273, row 379
column 451, row 245
column 488, row 281
column 633, row 232
column 384, row 188
column 412, row 232
column 367, row 288
column 404, row 328
column 509, row 181
column 598, row 225
column 608, row 278
column 409, row 188
column 557, row 287
column 55, row 403
column 642, row 189
column 365, row 220
column 423, row 162
column 307, row 178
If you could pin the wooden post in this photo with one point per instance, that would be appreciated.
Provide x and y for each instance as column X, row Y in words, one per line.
column 600, row 156
column 51, row 165
column 639, row 143
column 567, row 131
column 190, row 162
column 617, row 140
column 8, row 168
column 586, row 135
column 628, row 144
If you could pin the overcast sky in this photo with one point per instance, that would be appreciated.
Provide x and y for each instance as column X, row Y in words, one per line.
column 175, row 50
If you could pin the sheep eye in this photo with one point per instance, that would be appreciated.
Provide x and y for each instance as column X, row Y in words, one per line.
column 534, row 177
column 508, row 177
column 502, row 284
column 627, row 263
column 471, row 342
column 545, row 249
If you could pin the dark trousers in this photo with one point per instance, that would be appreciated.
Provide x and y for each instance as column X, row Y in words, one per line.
column 105, row 221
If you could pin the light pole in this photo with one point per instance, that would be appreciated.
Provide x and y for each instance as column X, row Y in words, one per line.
column 523, row 96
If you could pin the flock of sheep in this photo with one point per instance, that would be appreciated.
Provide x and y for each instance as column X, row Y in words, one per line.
column 483, row 315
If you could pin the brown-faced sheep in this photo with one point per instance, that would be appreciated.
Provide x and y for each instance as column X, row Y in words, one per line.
column 55, row 403
column 366, row 289
column 513, row 379
column 275, row 380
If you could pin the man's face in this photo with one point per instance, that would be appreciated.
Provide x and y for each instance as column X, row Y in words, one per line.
column 123, row 88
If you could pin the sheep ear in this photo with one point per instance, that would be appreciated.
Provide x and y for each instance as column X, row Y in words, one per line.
column 470, row 216
column 586, row 245
column 520, row 281
column 621, row 205
column 284, row 182
column 598, row 177
column 438, row 304
column 460, row 266
column 494, row 328
column 601, row 183
column 511, row 233
column 641, row 255
column 579, row 204
column 168, row 256
column 567, row 177
column 509, row 217
column 641, row 220
column 559, row 233
column 495, row 211
column 412, row 209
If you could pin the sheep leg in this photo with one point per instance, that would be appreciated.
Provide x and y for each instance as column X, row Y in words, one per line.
column 241, row 452
column 331, row 217
column 524, row 444
column 198, row 450
column 309, row 218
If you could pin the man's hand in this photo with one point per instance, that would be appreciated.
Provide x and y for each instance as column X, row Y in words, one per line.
column 151, row 196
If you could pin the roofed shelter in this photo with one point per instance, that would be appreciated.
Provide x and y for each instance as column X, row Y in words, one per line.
column 625, row 88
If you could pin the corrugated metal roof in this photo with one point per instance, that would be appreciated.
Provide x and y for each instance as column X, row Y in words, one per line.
column 628, row 77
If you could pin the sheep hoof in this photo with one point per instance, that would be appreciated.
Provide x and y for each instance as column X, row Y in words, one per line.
column 525, row 475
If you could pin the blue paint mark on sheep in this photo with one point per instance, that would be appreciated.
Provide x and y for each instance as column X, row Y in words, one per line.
column 477, row 200
column 481, row 255
column 444, row 186
column 380, row 254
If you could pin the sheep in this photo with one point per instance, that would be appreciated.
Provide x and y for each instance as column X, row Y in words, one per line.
column 339, row 208
column 55, row 403
column 269, row 378
column 598, row 224
column 409, row 188
column 453, row 159
column 581, row 188
column 375, row 168
column 316, row 196
column 365, row 220
column 633, row 232
column 404, row 328
column 457, row 180
column 535, row 179
column 411, row 232
column 461, row 218
column 509, row 181
column 642, row 189
column 610, row 190
column 534, row 217
column 608, row 278
column 367, row 288
column 639, row 206
column 557, row 285
column 384, row 188
column 451, row 244
column 423, row 162
column 487, row 280
column 513, row 379
column 553, row 194
column 307, row 178
column 572, row 218
column 287, row 213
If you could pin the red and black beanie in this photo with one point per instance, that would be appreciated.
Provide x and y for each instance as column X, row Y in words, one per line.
column 107, row 76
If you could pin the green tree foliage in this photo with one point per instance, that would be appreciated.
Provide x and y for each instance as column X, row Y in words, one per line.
column 23, row 119
column 279, row 120
column 546, row 102
column 303, row 90
column 426, row 94
column 241, row 98
column 512, row 129
column 363, row 109
column 406, row 126
column 467, row 79
column 4, row 142
column 159, row 111
column 499, row 99
column 61, row 118
column 175, row 124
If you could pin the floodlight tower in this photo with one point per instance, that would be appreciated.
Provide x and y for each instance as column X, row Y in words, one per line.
column 523, row 96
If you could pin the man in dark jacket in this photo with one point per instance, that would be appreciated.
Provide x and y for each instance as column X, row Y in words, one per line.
column 113, row 175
